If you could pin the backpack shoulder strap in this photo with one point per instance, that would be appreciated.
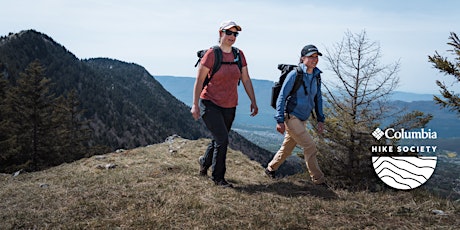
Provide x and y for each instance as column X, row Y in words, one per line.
column 237, row 59
column 236, row 54
column 298, row 80
column 217, row 60
column 318, row 83
column 217, row 63
column 318, row 78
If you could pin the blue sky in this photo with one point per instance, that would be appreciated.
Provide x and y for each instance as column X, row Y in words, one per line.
column 163, row 36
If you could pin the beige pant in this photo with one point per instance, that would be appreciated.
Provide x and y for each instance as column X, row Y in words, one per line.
column 296, row 133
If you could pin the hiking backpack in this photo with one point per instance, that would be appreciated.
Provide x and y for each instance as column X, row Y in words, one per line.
column 218, row 61
column 285, row 69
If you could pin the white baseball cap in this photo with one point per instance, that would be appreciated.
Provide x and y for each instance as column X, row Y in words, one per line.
column 229, row 24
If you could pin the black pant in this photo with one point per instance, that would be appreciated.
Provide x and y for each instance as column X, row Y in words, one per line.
column 219, row 121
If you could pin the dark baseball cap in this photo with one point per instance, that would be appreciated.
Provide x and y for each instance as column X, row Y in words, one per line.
column 308, row 50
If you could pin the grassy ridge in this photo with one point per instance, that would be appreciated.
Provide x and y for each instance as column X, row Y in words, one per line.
column 158, row 187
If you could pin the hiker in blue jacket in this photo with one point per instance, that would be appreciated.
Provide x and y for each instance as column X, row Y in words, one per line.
column 293, row 111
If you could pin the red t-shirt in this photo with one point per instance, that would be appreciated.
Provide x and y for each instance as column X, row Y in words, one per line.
column 222, row 89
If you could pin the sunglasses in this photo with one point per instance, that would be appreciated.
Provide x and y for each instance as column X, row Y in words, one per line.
column 229, row 32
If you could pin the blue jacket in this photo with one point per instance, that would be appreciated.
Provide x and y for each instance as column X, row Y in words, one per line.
column 305, row 102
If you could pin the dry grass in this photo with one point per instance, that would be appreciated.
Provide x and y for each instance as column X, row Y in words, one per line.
column 155, row 188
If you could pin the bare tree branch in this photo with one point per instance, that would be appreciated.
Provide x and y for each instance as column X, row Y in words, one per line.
column 359, row 102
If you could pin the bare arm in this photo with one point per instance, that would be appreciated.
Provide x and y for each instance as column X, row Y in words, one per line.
column 249, row 90
column 197, row 88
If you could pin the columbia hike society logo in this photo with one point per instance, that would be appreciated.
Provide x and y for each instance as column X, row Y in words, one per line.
column 399, row 168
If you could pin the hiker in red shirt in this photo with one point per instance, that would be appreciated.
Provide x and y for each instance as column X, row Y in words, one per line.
column 216, row 100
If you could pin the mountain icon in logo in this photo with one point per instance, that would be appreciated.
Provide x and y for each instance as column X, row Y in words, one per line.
column 404, row 172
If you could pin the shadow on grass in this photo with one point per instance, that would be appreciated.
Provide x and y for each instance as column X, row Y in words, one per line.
column 289, row 189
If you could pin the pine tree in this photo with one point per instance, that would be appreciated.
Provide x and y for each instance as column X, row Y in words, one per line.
column 30, row 111
column 3, row 115
column 8, row 147
column 10, row 158
column 444, row 65
column 37, row 129
column 72, row 131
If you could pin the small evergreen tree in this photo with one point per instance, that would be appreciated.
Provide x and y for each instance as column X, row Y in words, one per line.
column 8, row 147
column 3, row 116
column 37, row 129
column 30, row 112
column 72, row 131
column 444, row 65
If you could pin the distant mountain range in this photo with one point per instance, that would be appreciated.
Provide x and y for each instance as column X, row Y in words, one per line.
column 410, row 97
column 444, row 122
column 124, row 105
column 168, row 81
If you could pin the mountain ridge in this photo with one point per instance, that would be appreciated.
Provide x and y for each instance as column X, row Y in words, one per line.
column 125, row 105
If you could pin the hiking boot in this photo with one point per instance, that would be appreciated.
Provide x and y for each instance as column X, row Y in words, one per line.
column 203, row 169
column 223, row 183
column 269, row 173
